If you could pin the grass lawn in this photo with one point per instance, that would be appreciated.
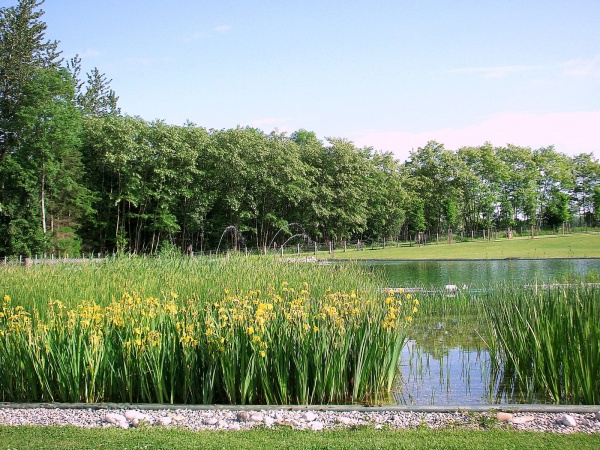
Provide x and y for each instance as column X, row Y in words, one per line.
column 583, row 245
column 76, row 438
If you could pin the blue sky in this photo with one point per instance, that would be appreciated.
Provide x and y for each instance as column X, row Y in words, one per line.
column 387, row 74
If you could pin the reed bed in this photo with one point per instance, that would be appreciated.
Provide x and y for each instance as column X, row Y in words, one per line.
column 548, row 341
column 216, row 331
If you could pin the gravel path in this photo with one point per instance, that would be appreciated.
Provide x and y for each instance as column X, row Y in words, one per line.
column 232, row 419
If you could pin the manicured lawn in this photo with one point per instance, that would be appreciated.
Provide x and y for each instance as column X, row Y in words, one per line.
column 75, row 438
column 584, row 245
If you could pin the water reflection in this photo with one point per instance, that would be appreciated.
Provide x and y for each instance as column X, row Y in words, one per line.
column 480, row 272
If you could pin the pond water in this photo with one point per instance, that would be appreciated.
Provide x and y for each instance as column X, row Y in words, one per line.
column 446, row 361
column 480, row 273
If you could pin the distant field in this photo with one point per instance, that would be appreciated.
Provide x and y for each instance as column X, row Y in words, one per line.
column 584, row 245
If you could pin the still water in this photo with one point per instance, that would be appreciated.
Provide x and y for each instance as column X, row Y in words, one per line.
column 480, row 273
column 445, row 361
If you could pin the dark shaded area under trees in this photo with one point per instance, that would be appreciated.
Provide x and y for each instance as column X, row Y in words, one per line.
column 78, row 175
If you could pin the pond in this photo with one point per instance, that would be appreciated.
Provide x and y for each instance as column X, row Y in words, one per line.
column 446, row 361
column 480, row 273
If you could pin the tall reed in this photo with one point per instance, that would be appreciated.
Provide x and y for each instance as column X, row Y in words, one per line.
column 548, row 339
column 246, row 331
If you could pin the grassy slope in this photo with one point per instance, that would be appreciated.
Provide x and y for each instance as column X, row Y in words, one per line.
column 553, row 246
column 75, row 438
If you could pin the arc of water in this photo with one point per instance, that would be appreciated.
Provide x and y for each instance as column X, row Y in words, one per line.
column 288, row 227
column 230, row 228
column 304, row 235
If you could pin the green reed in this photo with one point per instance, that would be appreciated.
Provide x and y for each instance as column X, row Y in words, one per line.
column 548, row 339
column 232, row 330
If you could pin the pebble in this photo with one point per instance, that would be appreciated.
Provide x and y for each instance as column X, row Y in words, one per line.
column 568, row 421
column 115, row 418
column 309, row 416
column 522, row 419
column 597, row 415
column 135, row 415
column 230, row 419
column 165, row 421
column 316, row 425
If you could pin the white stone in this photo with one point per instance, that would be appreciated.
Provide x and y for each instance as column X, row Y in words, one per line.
column 316, row 426
column 278, row 416
column 256, row 417
column 165, row 421
column 123, row 425
column 451, row 287
column 133, row 415
column 344, row 420
column 115, row 418
column 522, row 419
column 211, row 420
column 378, row 426
column 597, row 415
column 269, row 421
column 309, row 416
column 176, row 417
column 568, row 421
column 234, row 426
column 223, row 424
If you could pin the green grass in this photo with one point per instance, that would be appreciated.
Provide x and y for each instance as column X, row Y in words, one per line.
column 584, row 245
column 75, row 438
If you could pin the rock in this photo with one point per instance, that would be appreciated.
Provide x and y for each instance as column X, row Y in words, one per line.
column 522, row 419
column 597, row 415
column 309, row 416
column 269, row 421
column 234, row 426
column 115, row 418
column 243, row 416
column 223, row 424
column 123, row 425
column 176, row 417
column 568, row 421
column 257, row 417
column 165, row 421
column 344, row 420
column 378, row 426
column 211, row 421
column 135, row 415
column 316, row 425
column 586, row 422
column 504, row 416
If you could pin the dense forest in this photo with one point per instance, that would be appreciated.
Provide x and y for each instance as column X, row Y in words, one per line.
column 77, row 174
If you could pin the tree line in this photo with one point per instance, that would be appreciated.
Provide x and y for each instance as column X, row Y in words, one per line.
column 78, row 174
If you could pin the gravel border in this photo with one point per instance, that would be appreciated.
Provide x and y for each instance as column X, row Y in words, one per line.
column 555, row 419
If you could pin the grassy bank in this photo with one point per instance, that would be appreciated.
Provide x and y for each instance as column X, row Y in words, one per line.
column 584, row 245
column 75, row 438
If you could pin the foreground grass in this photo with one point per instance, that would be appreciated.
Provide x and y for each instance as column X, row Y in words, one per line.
column 584, row 245
column 71, row 438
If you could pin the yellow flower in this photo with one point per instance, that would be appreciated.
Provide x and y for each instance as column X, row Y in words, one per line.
column 409, row 319
column 263, row 353
column 6, row 298
column 250, row 330
column 408, row 296
column 415, row 309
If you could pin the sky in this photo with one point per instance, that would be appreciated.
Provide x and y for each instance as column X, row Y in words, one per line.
column 391, row 75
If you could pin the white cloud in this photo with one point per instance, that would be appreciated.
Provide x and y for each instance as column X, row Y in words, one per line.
column 582, row 67
column 496, row 71
column 570, row 132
